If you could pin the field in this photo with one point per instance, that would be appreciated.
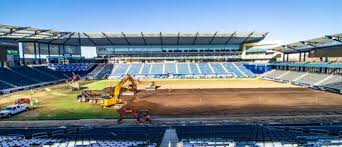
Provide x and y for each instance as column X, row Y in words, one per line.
column 186, row 98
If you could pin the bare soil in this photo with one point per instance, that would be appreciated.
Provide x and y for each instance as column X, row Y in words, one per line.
column 236, row 102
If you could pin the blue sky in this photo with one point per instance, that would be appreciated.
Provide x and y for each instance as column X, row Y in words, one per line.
column 286, row 20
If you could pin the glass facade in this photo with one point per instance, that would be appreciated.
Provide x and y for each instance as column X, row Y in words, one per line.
column 30, row 50
column 155, row 49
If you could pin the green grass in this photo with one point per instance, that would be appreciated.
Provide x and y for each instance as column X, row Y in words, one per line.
column 61, row 104
column 101, row 84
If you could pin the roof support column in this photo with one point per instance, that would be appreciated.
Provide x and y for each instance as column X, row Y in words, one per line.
column 300, row 56
column 49, row 53
column 304, row 56
column 39, row 57
column 35, row 52
column 59, row 54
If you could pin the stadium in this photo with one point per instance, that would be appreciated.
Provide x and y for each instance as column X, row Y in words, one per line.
column 218, row 89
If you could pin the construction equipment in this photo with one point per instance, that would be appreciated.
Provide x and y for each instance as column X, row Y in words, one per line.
column 131, row 89
column 95, row 96
column 142, row 116
column 73, row 82
column 32, row 102
column 152, row 86
column 110, row 96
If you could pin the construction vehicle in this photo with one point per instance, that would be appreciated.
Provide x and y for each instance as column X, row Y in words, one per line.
column 142, row 116
column 152, row 86
column 110, row 96
column 130, row 89
column 73, row 82
column 32, row 102
column 95, row 96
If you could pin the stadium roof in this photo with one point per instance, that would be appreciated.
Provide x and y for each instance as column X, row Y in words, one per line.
column 13, row 34
column 328, row 41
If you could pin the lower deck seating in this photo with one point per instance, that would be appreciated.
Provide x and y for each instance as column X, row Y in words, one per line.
column 31, row 73
column 15, row 78
column 4, row 86
column 109, row 136
column 95, row 71
column 249, row 135
column 24, row 77
column 289, row 135
column 316, row 80
column 312, row 78
column 106, row 70
column 46, row 70
column 181, row 70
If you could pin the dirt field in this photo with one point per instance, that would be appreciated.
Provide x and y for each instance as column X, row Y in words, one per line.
column 186, row 98
column 213, row 83
column 237, row 102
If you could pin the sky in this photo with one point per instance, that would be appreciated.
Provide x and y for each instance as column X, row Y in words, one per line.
column 285, row 20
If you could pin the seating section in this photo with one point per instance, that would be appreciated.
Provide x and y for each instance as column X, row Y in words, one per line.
column 334, row 82
column 71, row 67
column 30, row 73
column 95, row 71
column 252, row 135
column 118, row 136
column 233, row 69
column 14, row 78
column 106, row 70
column 288, row 135
column 24, row 77
column 81, row 69
column 4, row 86
column 181, row 70
column 47, row 71
column 205, row 68
column 315, row 80
column 291, row 76
column 312, row 78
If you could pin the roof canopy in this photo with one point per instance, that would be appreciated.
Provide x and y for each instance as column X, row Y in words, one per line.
column 317, row 43
column 27, row 34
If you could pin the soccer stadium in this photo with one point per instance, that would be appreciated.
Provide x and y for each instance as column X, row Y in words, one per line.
column 168, row 89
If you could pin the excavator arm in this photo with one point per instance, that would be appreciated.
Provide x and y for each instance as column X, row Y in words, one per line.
column 115, row 99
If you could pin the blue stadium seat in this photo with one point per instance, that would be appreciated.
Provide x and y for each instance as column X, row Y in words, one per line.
column 170, row 68
column 205, row 68
column 183, row 68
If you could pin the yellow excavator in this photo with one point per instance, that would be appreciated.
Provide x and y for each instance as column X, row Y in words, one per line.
column 119, row 89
